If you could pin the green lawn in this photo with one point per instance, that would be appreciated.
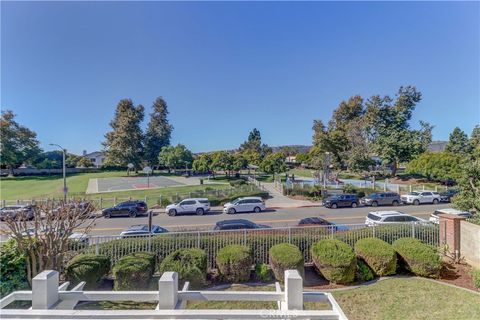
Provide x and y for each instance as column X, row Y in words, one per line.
column 28, row 187
column 397, row 298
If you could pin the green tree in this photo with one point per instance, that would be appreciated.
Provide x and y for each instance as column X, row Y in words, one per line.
column 177, row 157
column 389, row 129
column 253, row 149
column 203, row 163
column 222, row 161
column 239, row 162
column 468, row 197
column 18, row 144
column 302, row 158
column 437, row 166
column 124, row 143
column 273, row 163
column 458, row 142
column 475, row 140
column 158, row 132
column 84, row 162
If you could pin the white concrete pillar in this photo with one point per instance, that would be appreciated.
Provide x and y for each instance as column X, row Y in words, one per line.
column 293, row 290
column 168, row 291
column 45, row 290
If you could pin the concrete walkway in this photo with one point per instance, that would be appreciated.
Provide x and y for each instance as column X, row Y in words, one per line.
column 278, row 200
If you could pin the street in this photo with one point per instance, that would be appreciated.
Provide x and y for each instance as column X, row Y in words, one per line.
column 274, row 218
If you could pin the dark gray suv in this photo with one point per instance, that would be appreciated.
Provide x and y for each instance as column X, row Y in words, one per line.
column 382, row 199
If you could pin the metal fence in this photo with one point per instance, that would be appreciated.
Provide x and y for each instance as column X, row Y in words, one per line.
column 258, row 240
column 161, row 200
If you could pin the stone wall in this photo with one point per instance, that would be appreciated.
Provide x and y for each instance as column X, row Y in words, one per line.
column 470, row 243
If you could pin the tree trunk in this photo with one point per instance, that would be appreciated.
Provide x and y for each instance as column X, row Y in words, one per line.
column 394, row 168
column 12, row 173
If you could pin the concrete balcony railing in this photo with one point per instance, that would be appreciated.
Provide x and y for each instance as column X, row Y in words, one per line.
column 51, row 301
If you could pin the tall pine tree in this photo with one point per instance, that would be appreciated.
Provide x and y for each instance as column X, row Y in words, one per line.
column 458, row 142
column 158, row 132
column 123, row 145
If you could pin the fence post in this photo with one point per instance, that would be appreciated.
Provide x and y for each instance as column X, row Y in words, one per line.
column 373, row 230
column 4, row 202
column 114, row 201
column 101, row 203
column 145, row 199
column 45, row 290
column 168, row 291
column 289, row 235
column 198, row 239
column 293, row 290
column 244, row 237
column 413, row 229
column 410, row 188
column 97, row 247
column 160, row 199
column 436, row 188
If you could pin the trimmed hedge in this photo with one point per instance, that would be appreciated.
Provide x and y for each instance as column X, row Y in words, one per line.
column 335, row 260
column 150, row 257
column 283, row 257
column 133, row 272
column 234, row 263
column 364, row 272
column 190, row 264
column 378, row 255
column 418, row 257
column 87, row 267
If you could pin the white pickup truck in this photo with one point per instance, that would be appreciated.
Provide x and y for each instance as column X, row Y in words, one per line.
column 418, row 197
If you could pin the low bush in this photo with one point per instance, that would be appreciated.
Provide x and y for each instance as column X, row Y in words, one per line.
column 335, row 260
column 418, row 257
column 238, row 182
column 87, row 267
column 13, row 268
column 476, row 278
column 364, row 273
column 190, row 264
column 378, row 255
column 283, row 257
column 234, row 263
column 262, row 272
column 133, row 272
column 150, row 257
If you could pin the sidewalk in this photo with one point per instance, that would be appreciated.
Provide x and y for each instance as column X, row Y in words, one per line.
column 278, row 200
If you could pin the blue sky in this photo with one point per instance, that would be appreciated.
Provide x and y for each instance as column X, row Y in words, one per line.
column 225, row 68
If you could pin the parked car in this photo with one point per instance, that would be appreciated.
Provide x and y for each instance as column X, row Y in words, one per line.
column 17, row 212
column 247, row 204
column 142, row 230
column 447, row 196
column 381, row 198
column 341, row 200
column 388, row 217
column 317, row 221
column 79, row 237
column 128, row 208
column 194, row 205
column 418, row 197
column 238, row 224
column 434, row 218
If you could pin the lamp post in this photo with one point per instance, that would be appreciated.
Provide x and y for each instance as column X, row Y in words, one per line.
column 65, row 190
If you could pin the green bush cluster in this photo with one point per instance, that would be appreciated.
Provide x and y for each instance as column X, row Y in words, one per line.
column 234, row 263
column 262, row 272
column 190, row 264
column 237, row 183
column 418, row 257
column 87, row 267
column 134, row 271
column 283, row 257
column 335, row 260
column 476, row 278
column 378, row 255
column 363, row 272
column 13, row 268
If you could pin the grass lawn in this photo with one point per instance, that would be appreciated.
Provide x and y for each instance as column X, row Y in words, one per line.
column 12, row 188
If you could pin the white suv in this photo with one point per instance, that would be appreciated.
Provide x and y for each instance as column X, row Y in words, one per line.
column 387, row 217
column 247, row 204
column 194, row 205
column 434, row 218
column 418, row 197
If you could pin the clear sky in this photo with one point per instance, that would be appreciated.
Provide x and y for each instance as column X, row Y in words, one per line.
column 225, row 68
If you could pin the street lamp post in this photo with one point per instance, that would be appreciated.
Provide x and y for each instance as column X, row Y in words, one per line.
column 65, row 190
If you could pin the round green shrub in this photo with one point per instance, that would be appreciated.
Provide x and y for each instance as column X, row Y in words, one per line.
column 150, row 257
column 190, row 264
column 285, row 256
column 378, row 255
column 132, row 272
column 234, row 263
column 335, row 260
column 420, row 258
column 262, row 272
column 87, row 267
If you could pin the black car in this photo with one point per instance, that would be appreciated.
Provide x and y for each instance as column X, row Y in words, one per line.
column 128, row 208
column 448, row 195
column 341, row 200
column 238, row 224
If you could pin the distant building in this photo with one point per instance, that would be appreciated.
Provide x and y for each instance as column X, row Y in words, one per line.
column 437, row 146
column 291, row 159
column 97, row 157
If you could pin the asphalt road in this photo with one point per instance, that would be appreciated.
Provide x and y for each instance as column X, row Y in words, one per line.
column 274, row 218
